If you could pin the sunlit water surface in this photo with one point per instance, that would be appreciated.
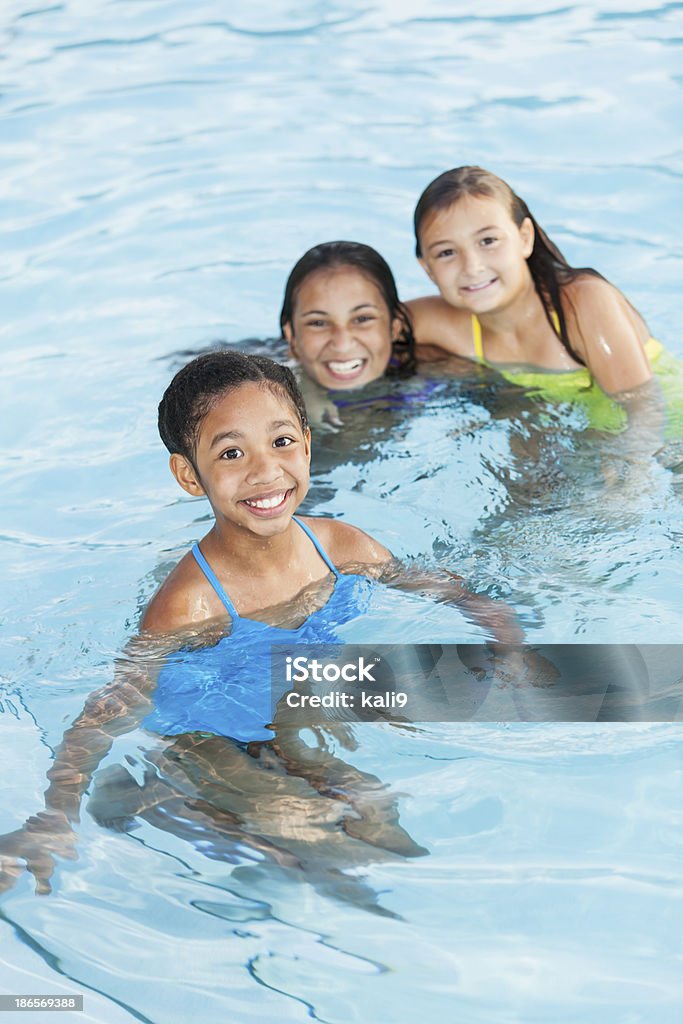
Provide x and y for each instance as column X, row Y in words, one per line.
column 163, row 165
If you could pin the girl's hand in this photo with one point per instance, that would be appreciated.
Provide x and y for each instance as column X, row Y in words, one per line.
column 507, row 679
column 522, row 669
column 322, row 412
column 330, row 418
column 40, row 839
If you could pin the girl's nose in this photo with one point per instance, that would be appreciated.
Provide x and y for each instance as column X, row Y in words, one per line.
column 264, row 467
column 472, row 261
column 341, row 338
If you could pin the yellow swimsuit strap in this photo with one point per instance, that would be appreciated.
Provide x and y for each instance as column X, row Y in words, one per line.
column 479, row 344
column 653, row 348
column 476, row 338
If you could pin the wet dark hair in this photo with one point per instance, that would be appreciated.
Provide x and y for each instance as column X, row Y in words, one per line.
column 329, row 256
column 548, row 267
column 196, row 389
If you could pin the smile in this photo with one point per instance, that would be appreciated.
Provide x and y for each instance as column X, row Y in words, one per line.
column 479, row 287
column 268, row 505
column 347, row 369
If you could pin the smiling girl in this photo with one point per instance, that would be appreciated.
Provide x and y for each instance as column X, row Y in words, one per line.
column 198, row 677
column 237, row 431
column 509, row 299
column 343, row 319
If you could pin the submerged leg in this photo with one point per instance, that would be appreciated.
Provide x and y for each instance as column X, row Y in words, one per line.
column 243, row 808
column 375, row 820
column 118, row 801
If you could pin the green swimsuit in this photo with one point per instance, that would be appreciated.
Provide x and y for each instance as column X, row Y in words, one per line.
column 574, row 386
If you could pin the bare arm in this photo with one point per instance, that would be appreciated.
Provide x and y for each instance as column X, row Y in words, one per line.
column 440, row 329
column 609, row 334
column 356, row 552
column 109, row 712
column 611, row 338
column 508, row 659
column 495, row 617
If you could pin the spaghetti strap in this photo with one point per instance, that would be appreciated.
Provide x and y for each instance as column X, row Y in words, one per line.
column 215, row 583
column 477, row 340
column 213, row 580
column 318, row 546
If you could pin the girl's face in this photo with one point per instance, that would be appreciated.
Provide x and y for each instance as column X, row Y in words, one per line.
column 341, row 331
column 476, row 255
column 252, row 460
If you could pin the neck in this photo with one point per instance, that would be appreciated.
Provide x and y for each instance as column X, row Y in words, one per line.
column 242, row 552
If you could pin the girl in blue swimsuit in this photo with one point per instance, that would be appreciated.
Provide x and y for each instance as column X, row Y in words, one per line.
column 236, row 428
column 237, row 431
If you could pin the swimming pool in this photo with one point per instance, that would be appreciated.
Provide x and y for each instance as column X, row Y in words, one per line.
column 162, row 169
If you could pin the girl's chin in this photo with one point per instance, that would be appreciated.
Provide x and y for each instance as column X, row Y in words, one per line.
column 270, row 527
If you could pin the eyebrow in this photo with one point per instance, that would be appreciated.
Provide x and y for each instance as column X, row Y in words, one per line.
column 235, row 435
column 276, row 424
column 448, row 241
column 354, row 309
column 225, row 435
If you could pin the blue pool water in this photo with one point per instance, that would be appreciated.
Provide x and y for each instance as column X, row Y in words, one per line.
column 163, row 166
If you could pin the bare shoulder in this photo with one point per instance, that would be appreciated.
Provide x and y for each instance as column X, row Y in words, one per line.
column 594, row 292
column 347, row 545
column 438, row 325
column 595, row 299
column 184, row 599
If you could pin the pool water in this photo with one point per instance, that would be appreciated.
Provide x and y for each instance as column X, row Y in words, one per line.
column 163, row 166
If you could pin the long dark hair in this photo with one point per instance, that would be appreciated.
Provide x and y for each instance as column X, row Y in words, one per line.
column 330, row 255
column 196, row 388
column 548, row 267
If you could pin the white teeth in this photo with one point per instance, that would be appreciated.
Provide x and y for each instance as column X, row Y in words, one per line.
column 273, row 502
column 348, row 366
column 478, row 287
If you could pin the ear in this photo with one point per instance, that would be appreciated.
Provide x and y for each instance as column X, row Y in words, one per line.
column 307, row 444
column 288, row 335
column 423, row 263
column 526, row 230
column 186, row 475
column 396, row 328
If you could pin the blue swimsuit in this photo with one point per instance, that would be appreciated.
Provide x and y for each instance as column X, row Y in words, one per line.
column 225, row 689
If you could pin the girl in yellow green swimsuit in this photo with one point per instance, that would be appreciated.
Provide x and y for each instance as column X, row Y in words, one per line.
column 508, row 299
